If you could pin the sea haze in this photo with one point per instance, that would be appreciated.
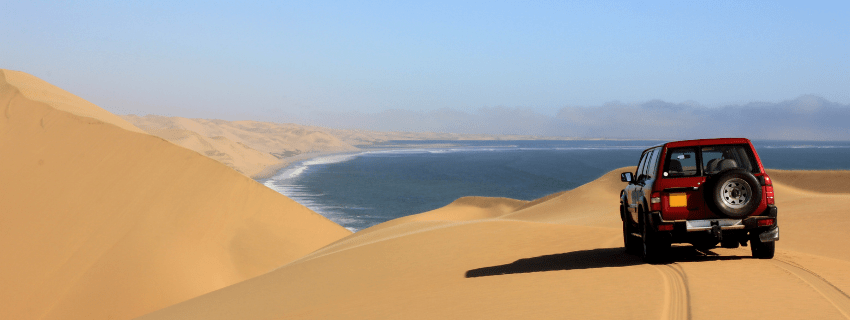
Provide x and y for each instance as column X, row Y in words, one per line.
column 400, row 178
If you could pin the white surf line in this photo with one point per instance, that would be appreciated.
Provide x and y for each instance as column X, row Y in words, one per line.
column 838, row 298
column 677, row 298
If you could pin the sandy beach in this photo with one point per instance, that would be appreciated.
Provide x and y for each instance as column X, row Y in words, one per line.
column 102, row 220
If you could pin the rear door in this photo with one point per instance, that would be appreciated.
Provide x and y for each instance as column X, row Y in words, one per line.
column 681, row 184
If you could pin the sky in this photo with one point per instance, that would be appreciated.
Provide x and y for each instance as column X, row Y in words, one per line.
column 310, row 60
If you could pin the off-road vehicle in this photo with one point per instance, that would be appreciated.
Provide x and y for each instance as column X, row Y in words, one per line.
column 705, row 192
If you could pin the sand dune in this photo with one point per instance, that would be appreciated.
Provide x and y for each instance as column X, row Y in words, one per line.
column 101, row 221
column 33, row 88
column 825, row 181
column 554, row 258
column 256, row 149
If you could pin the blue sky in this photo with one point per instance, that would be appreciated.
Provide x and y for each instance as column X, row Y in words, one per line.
column 277, row 60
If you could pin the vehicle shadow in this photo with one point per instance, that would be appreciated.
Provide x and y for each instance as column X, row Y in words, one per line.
column 582, row 259
column 594, row 258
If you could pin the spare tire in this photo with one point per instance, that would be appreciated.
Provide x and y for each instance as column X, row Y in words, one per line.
column 735, row 193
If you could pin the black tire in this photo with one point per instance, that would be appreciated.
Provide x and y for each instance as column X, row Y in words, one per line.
column 762, row 250
column 735, row 193
column 630, row 242
column 654, row 247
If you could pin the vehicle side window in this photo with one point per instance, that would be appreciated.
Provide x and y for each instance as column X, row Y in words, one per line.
column 652, row 166
column 641, row 164
column 646, row 166
column 646, row 162
column 681, row 162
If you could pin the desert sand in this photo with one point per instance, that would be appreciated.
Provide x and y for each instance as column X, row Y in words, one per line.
column 99, row 220
column 557, row 257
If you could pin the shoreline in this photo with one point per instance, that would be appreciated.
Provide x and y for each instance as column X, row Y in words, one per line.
column 270, row 171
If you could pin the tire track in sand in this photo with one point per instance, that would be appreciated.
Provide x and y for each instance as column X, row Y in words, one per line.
column 838, row 298
column 677, row 299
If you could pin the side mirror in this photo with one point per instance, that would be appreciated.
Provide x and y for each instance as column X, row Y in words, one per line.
column 626, row 177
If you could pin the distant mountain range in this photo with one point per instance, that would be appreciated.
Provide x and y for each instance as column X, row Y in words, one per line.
column 804, row 118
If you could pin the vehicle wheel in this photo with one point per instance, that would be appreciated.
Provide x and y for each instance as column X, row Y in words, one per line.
column 630, row 242
column 654, row 247
column 736, row 193
column 762, row 250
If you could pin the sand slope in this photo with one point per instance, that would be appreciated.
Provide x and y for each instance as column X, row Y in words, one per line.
column 100, row 221
column 557, row 257
column 253, row 148
column 825, row 181
column 33, row 88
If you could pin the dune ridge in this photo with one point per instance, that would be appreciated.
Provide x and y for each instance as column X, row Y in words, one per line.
column 34, row 88
column 102, row 221
column 556, row 257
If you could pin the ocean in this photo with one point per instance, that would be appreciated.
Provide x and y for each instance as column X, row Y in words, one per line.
column 399, row 178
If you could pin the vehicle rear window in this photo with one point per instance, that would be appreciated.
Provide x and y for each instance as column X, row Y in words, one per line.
column 695, row 161
column 722, row 157
column 681, row 162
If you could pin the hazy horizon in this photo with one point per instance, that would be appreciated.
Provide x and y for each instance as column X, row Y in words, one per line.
column 804, row 118
column 472, row 67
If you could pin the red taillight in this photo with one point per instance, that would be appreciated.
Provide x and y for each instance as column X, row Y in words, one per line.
column 768, row 193
column 768, row 190
column 655, row 202
column 765, row 222
column 665, row 227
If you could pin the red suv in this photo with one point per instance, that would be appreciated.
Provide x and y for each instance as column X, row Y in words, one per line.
column 703, row 192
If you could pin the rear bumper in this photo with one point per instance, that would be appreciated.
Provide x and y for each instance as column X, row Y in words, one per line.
column 751, row 222
column 723, row 224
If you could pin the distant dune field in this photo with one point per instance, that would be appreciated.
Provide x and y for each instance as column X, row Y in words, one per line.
column 559, row 257
column 99, row 220
column 256, row 149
